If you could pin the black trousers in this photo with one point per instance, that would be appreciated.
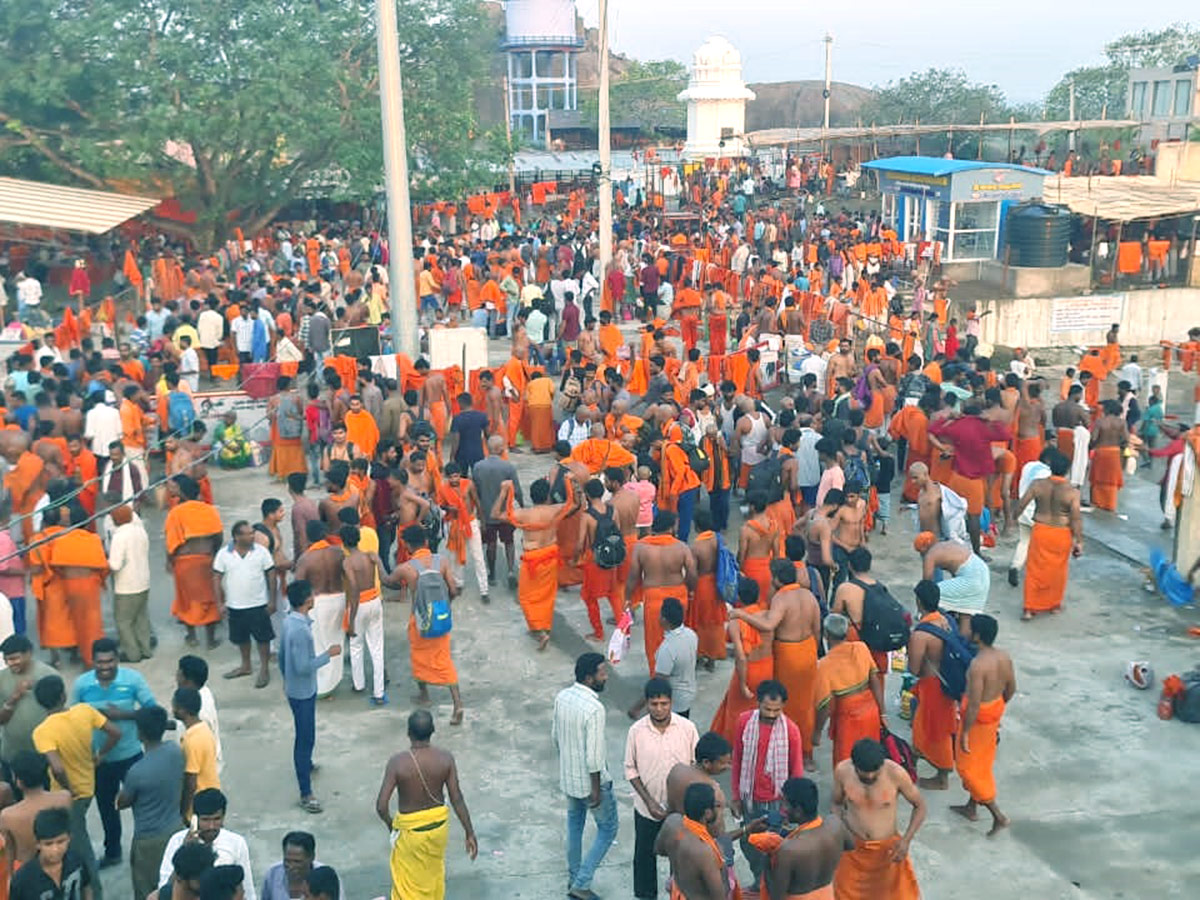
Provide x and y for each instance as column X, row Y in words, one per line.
column 645, row 863
column 109, row 776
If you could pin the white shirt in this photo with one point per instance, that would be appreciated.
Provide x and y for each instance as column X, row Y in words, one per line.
column 815, row 364
column 1132, row 373
column 189, row 368
column 210, row 325
column 243, row 333
column 244, row 580
column 574, row 432
column 29, row 291
column 102, row 426
column 808, row 468
column 230, row 848
column 129, row 558
column 53, row 352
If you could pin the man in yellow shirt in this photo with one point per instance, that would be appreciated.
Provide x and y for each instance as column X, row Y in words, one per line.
column 65, row 737
column 199, row 749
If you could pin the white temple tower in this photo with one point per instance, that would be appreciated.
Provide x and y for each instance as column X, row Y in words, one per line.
column 541, row 42
column 716, row 97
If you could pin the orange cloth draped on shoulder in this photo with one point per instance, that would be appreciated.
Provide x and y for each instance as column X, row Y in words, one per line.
column 195, row 602
column 1110, row 355
column 358, row 482
column 1106, row 477
column 568, row 539
column 796, row 668
column 55, row 629
column 734, row 704
column 911, row 423
column 783, row 514
column 975, row 768
column 601, row 453
column 873, row 415
column 516, row 373
column 935, row 723
column 25, row 484
column 652, row 600
column 431, row 659
column 700, row 831
column 868, row 873
column 758, row 569
column 538, row 586
column 843, row 679
column 85, row 469
column 83, row 549
column 737, row 367
column 611, row 341
column 459, row 520
column 1047, row 567
column 362, row 432
column 347, row 369
column 1065, row 438
column 677, row 477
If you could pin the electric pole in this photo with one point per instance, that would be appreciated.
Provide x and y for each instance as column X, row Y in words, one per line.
column 828, row 76
column 1071, row 113
column 402, row 285
column 604, row 185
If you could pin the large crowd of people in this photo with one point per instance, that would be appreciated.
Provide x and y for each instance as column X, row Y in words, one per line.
column 765, row 372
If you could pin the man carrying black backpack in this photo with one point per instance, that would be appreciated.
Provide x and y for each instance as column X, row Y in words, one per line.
column 876, row 618
column 600, row 551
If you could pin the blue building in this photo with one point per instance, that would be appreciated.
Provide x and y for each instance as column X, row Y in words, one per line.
column 961, row 203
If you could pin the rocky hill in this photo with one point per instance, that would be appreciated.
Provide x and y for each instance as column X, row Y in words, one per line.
column 781, row 104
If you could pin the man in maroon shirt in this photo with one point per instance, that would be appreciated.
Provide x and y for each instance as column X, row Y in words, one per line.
column 648, row 280
column 767, row 751
column 570, row 318
column 970, row 437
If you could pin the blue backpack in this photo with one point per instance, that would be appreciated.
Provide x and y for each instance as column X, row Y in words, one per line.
column 431, row 600
column 956, row 659
column 181, row 412
column 727, row 572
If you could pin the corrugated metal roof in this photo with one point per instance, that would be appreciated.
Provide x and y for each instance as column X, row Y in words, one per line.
column 71, row 209
column 937, row 166
column 1124, row 198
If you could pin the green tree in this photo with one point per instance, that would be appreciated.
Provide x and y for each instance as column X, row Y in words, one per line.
column 1099, row 93
column 644, row 93
column 1166, row 47
column 235, row 108
column 934, row 96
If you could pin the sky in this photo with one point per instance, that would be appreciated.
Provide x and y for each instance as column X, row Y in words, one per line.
column 1023, row 52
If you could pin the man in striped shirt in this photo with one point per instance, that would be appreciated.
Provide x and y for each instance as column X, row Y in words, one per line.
column 578, row 735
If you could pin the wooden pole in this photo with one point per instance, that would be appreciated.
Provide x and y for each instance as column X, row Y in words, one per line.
column 1116, row 252
column 1092, row 252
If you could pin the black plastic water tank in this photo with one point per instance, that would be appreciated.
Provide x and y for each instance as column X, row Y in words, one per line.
column 1037, row 234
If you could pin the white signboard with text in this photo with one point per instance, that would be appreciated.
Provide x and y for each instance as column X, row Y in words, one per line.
column 1092, row 313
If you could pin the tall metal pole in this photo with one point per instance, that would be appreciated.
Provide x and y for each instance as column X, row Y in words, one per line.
column 828, row 84
column 604, row 186
column 395, row 167
column 512, row 175
column 1071, row 113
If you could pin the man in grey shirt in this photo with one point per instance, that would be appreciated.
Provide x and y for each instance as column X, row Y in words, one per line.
column 488, row 474
column 153, row 786
column 319, row 328
column 658, row 387
column 676, row 657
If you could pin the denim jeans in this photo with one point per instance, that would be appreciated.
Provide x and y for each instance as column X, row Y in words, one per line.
column 758, row 861
column 579, row 872
column 687, row 508
column 109, row 777
column 304, row 716
column 313, row 451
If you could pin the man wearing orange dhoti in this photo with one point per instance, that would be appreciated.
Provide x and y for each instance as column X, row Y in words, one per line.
column 611, row 339
column 55, row 628
column 991, row 684
column 539, row 410
column 661, row 566
column 753, row 662
column 866, row 791
column 25, row 481
column 537, row 584
column 758, row 544
column 794, row 618
column 514, row 378
column 1094, row 366
column 803, row 862
column 193, row 533
column 706, row 613
column 78, row 563
column 935, row 723
column 567, row 479
column 432, row 662
column 849, row 691
column 1110, row 435
column 361, row 429
column 1057, row 535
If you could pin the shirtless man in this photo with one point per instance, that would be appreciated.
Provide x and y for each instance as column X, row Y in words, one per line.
column 841, row 365
column 817, row 529
column 662, row 566
column 1056, row 541
column 588, row 343
column 929, row 499
column 493, row 404
column 865, row 791
column 536, row 591
column 420, row 479
column 49, row 450
column 1110, row 434
column 408, row 505
column 363, row 571
column 758, row 544
column 849, row 526
column 597, row 582
column 434, row 395
column 697, row 863
column 849, row 596
column 809, row 853
column 991, row 684
column 1066, row 416
column 964, row 593
column 320, row 566
column 268, row 534
column 794, row 616
column 935, row 718
column 340, row 496
column 421, row 778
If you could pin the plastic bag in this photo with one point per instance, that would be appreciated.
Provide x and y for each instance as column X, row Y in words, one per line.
column 618, row 644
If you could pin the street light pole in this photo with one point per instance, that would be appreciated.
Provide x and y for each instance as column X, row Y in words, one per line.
column 604, row 187
column 402, row 287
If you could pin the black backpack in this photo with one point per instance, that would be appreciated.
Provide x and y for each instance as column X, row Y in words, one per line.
column 1187, row 704
column 608, row 546
column 767, row 476
column 697, row 458
column 956, row 659
column 885, row 623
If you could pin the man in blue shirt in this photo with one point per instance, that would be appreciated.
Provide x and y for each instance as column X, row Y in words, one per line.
column 118, row 693
column 299, row 661
column 156, row 319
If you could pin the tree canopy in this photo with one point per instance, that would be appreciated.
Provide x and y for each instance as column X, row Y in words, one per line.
column 644, row 93
column 236, row 108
